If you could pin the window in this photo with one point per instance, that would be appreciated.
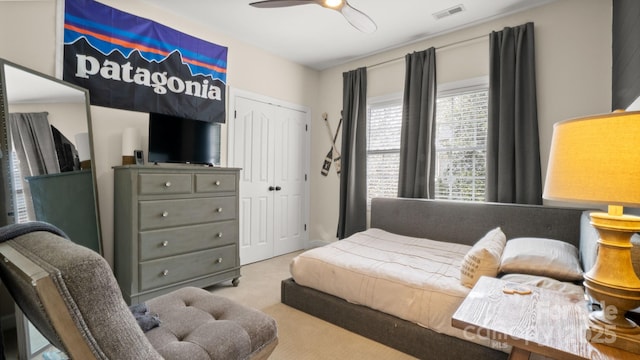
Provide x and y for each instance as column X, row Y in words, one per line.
column 461, row 134
column 461, row 131
column 384, row 118
column 19, row 201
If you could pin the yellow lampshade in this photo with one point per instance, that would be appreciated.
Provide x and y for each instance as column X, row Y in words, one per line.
column 596, row 160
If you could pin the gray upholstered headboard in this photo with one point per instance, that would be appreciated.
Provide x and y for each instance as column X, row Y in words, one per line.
column 466, row 222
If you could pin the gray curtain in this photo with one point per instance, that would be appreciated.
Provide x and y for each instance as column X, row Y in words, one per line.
column 35, row 149
column 353, row 175
column 417, row 143
column 513, row 149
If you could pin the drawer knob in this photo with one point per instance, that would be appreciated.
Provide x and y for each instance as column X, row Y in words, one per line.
column 165, row 272
column 167, row 184
column 219, row 210
column 219, row 261
column 165, row 243
column 219, row 235
column 217, row 183
column 165, row 213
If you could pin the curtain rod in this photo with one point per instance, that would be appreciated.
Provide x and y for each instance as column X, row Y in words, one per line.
column 437, row 48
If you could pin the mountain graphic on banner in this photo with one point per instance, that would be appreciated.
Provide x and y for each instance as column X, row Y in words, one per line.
column 109, row 29
column 135, row 83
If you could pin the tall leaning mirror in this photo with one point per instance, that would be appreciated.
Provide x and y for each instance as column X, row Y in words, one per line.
column 45, row 156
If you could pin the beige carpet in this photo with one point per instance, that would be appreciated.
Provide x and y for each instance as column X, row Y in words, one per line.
column 302, row 336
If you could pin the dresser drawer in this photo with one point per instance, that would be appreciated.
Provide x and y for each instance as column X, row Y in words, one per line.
column 156, row 214
column 171, row 270
column 181, row 240
column 153, row 184
column 215, row 182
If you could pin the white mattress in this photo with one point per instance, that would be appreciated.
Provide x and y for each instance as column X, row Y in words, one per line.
column 414, row 279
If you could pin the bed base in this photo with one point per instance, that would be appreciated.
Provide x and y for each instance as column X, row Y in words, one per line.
column 386, row 329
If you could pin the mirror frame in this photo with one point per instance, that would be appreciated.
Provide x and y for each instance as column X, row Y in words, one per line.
column 6, row 185
column 7, row 206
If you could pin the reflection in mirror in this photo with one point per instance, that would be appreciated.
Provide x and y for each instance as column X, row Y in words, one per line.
column 46, row 126
column 45, row 156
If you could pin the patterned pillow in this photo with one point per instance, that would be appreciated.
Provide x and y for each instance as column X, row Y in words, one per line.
column 483, row 258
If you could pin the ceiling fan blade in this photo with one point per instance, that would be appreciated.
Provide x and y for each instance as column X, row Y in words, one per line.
column 358, row 19
column 281, row 3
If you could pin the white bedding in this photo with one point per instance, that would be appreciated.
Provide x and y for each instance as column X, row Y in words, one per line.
column 414, row 279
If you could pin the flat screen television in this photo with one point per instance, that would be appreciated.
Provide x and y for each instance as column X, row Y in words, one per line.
column 174, row 139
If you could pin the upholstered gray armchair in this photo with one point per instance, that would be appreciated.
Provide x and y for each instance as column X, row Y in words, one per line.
column 70, row 294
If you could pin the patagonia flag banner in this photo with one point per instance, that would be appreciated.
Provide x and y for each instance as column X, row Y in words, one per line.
column 132, row 63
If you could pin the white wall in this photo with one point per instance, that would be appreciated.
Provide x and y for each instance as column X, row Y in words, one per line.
column 27, row 37
column 573, row 64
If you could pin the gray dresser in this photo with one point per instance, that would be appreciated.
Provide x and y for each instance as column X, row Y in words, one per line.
column 175, row 226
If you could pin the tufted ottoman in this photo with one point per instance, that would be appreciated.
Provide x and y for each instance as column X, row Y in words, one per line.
column 196, row 324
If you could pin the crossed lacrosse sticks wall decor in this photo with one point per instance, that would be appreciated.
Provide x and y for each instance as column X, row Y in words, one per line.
column 333, row 156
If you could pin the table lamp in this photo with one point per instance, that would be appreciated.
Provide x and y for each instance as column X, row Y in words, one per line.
column 596, row 160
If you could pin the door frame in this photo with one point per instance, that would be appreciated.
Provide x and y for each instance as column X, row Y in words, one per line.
column 235, row 93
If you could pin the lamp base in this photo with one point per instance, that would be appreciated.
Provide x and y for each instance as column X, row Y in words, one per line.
column 598, row 334
column 613, row 283
column 623, row 325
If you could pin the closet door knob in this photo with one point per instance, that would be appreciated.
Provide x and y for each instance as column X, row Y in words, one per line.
column 278, row 188
column 271, row 188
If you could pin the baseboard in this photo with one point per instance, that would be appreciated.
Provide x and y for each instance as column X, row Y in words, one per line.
column 317, row 243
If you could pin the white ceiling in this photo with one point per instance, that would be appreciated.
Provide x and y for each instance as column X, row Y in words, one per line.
column 321, row 38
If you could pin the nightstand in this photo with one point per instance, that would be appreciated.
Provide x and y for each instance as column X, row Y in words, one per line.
column 544, row 322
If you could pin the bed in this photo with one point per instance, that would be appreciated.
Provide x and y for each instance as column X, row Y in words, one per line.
column 435, row 235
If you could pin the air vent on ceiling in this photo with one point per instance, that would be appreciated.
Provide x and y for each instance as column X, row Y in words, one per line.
column 448, row 12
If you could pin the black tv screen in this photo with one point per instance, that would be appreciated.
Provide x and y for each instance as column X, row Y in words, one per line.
column 174, row 139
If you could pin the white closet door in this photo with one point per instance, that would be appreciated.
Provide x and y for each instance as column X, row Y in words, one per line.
column 290, row 172
column 269, row 143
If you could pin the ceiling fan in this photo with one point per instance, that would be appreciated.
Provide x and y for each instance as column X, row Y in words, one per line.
column 357, row 18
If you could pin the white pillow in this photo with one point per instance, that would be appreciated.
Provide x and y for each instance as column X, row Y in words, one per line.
column 544, row 257
column 483, row 258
